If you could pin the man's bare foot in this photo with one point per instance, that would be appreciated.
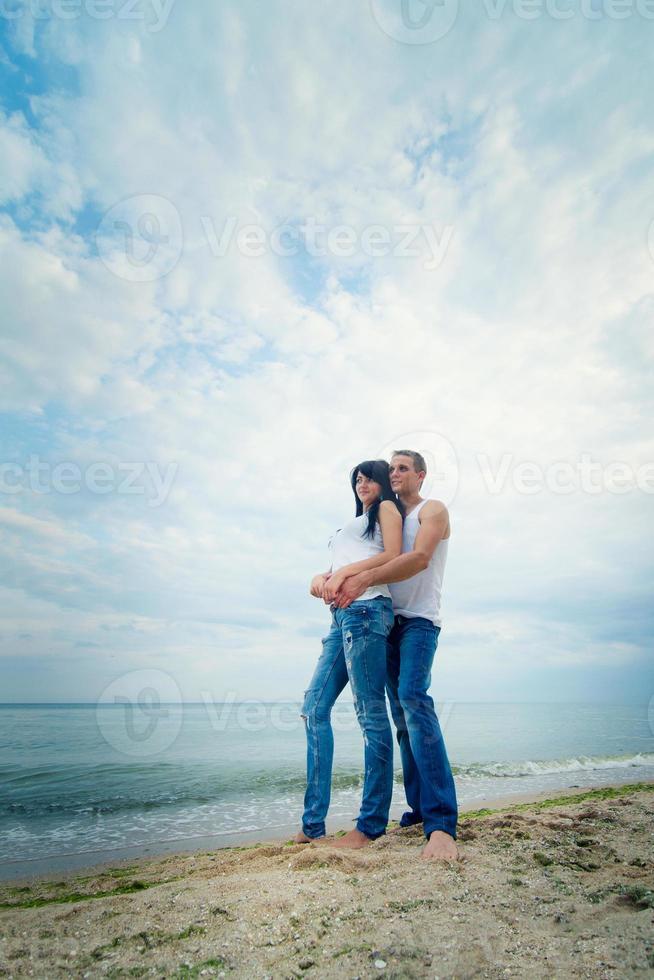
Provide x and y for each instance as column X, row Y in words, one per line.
column 353, row 839
column 440, row 847
column 301, row 838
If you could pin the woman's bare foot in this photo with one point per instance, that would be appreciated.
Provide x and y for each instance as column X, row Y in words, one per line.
column 301, row 838
column 353, row 839
column 440, row 847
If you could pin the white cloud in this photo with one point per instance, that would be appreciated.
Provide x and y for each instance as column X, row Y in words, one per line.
column 264, row 379
column 22, row 161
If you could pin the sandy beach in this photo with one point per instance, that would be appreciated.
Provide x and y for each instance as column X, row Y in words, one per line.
column 551, row 888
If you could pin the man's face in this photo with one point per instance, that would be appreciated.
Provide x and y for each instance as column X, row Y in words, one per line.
column 404, row 479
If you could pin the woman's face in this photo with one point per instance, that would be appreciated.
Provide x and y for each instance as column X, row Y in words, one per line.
column 367, row 490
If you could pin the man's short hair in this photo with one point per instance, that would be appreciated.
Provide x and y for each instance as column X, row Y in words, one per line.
column 418, row 459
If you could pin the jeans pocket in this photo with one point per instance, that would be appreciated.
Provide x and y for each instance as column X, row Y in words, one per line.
column 380, row 618
column 356, row 617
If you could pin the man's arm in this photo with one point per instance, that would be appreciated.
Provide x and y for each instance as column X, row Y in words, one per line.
column 434, row 526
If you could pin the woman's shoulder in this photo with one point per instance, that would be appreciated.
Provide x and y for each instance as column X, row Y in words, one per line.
column 352, row 523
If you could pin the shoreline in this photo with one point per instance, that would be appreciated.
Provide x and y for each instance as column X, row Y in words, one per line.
column 561, row 886
column 45, row 869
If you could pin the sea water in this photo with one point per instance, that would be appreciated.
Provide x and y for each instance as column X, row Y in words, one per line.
column 82, row 782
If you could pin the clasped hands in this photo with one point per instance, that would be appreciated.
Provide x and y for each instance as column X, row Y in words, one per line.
column 336, row 589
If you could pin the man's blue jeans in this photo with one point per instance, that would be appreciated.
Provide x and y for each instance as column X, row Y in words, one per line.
column 354, row 650
column 428, row 781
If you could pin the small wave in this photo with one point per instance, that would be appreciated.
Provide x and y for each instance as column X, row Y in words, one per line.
column 31, row 799
column 168, row 789
column 539, row 767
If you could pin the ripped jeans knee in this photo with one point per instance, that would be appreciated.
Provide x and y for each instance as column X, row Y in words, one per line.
column 312, row 711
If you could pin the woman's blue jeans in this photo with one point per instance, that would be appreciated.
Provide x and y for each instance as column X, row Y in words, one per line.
column 354, row 650
column 428, row 781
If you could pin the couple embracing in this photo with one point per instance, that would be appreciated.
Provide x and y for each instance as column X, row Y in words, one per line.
column 384, row 590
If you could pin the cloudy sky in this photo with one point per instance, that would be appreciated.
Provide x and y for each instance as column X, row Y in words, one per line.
column 246, row 245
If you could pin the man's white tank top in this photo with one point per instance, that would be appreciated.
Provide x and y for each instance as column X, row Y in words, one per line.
column 349, row 545
column 421, row 594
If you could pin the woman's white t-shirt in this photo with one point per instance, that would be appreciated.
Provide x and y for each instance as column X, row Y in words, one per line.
column 349, row 545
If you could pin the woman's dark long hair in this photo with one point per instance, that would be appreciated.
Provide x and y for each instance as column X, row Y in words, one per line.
column 377, row 470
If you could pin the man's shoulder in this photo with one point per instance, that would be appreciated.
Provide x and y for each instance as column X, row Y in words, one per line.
column 435, row 511
column 433, row 508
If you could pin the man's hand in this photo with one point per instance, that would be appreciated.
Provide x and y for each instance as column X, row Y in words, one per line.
column 317, row 586
column 352, row 588
column 331, row 588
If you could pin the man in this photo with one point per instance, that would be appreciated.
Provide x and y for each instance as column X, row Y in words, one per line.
column 415, row 580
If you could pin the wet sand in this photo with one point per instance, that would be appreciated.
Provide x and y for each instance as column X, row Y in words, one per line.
column 24, row 871
column 558, row 888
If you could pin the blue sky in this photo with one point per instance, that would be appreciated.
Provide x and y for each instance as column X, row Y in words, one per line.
column 181, row 403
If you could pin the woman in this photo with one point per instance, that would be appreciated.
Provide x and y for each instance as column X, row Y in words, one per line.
column 355, row 650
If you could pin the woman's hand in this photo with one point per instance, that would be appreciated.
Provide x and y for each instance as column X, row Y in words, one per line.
column 318, row 585
column 332, row 586
column 353, row 587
